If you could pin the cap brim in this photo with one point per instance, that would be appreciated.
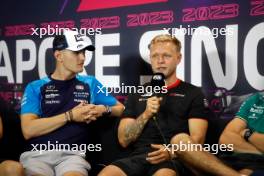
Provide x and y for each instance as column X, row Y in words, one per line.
column 89, row 48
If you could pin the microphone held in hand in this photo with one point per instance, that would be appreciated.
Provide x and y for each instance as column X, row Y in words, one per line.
column 157, row 83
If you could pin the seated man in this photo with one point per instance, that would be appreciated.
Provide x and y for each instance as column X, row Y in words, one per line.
column 179, row 119
column 56, row 109
column 9, row 167
column 246, row 133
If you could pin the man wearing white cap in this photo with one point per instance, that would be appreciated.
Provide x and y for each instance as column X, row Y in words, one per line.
column 55, row 111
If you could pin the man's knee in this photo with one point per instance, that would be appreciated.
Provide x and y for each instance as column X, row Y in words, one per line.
column 183, row 142
column 112, row 170
column 12, row 168
column 181, row 138
column 165, row 171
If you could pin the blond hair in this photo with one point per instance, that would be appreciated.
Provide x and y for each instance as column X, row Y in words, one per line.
column 166, row 38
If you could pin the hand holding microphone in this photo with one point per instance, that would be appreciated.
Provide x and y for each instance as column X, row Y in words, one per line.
column 153, row 105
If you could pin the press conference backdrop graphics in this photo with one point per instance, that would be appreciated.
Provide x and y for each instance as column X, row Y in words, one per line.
column 222, row 42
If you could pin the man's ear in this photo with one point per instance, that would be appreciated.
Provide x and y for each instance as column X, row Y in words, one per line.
column 58, row 55
column 179, row 58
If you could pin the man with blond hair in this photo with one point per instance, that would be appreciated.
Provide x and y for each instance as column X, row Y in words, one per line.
column 180, row 119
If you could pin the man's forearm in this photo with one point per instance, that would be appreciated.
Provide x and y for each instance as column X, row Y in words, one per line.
column 132, row 131
column 41, row 126
column 257, row 139
column 117, row 110
column 240, row 144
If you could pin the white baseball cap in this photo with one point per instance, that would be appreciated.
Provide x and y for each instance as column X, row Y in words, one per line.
column 72, row 40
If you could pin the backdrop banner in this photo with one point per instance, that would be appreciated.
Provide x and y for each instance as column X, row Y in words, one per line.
column 222, row 42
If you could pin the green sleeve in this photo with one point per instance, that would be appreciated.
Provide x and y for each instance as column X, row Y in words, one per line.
column 244, row 109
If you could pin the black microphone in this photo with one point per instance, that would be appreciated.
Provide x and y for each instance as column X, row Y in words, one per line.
column 158, row 80
column 157, row 83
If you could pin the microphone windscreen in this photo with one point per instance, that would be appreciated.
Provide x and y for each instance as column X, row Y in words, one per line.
column 158, row 80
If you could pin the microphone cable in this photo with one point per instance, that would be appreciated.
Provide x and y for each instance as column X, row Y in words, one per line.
column 165, row 142
column 158, row 80
column 159, row 129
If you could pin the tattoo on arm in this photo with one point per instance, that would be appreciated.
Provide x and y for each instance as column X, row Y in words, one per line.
column 133, row 131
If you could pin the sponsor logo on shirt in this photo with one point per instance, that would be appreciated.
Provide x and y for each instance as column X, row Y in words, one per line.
column 258, row 107
column 50, row 87
column 80, row 100
column 81, row 96
column 257, row 111
column 52, row 95
column 142, row 99
column 79, row 87
column 176, row 95
column 52, row 102
column 253, row 116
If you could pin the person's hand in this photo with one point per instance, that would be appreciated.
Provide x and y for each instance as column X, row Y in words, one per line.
column 95, row 112
column 84, row 112
column 153, row 105
column 159, row 155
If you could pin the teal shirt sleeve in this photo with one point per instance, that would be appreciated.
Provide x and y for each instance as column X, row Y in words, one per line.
column 244, row 110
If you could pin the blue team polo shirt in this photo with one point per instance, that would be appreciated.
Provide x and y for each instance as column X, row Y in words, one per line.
column 48, row 97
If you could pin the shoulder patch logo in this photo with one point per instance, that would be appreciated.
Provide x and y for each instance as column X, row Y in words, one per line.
column 79, row 87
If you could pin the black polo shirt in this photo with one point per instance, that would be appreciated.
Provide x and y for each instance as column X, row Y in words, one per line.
column 181, row 102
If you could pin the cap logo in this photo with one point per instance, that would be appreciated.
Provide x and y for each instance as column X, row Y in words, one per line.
column 60, row 46
column 78, row 37
column 79, row 46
